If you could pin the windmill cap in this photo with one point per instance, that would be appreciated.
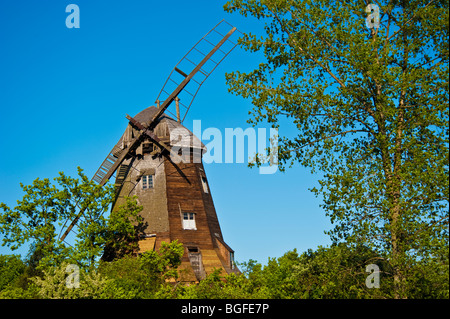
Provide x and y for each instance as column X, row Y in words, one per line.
column 180, row 135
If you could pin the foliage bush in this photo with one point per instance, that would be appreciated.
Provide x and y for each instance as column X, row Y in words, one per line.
column 336, row 272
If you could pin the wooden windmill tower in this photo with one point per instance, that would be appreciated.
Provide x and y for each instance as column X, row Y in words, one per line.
column 159, row 160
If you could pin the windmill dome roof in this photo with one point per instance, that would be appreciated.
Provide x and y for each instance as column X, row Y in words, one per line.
column 179, row 134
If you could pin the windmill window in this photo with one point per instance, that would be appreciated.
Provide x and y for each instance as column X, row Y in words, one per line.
column 204, row 184
column 189, row 221
column 147, row 181
column 193, row 249
column 231, row 260
column 147, row 147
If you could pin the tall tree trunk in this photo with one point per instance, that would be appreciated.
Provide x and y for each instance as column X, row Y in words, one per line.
column 393, row 184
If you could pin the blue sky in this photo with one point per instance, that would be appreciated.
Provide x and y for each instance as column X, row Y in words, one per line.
column 64, row 94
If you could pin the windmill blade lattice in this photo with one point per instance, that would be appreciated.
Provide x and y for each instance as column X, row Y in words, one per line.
column 188, row 63
column 110, row 160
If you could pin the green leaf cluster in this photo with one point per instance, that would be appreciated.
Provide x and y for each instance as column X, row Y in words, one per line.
column 366, row 107
column 148, row 275
column 335, row 272
column 45, row 208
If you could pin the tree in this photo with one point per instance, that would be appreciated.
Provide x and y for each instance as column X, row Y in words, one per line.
column 328, row 272
column 339, row 272
column 369, row 107
column 125, row 226
column 53, row 284
column 147, row 275
column 11, row 268
column 45, row 207
column 162, row 264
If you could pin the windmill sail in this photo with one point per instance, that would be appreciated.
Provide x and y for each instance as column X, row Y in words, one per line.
column 101, row 176
column 204, row 56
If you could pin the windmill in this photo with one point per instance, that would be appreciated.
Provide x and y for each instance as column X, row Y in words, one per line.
column 170, row 185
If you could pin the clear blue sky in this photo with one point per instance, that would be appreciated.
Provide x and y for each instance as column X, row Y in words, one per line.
column 64, row 94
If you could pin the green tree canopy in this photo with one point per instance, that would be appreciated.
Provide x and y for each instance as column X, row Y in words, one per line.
column 11, row 267
column 370, row 108
column 46, row 207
